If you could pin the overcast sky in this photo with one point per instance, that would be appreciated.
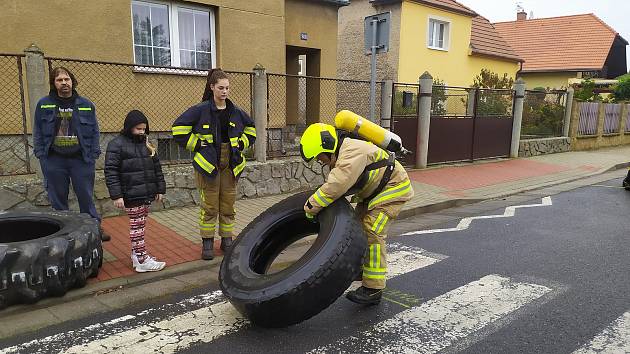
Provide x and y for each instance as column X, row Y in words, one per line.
column 613, row 12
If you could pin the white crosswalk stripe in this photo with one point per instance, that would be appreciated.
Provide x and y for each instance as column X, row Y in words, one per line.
column 613, row 339
column 58, row 342
column 403, row 259
column 213, row 318
column 440, row 322
column 172, row 335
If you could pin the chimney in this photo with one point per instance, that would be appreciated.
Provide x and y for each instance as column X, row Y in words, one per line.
column 521, row 15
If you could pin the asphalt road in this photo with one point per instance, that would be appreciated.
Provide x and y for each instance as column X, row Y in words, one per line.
column 552, row 278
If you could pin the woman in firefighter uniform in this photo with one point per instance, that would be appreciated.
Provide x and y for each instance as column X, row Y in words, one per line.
column 216, row 131
column 361, row 168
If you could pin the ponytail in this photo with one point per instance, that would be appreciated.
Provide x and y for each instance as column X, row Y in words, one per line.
column 214, row 75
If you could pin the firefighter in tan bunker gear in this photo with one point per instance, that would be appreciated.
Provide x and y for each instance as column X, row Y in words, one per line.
column 216, row 131
column 360, row 168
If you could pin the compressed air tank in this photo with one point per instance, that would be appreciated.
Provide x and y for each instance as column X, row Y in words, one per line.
column 383, row 138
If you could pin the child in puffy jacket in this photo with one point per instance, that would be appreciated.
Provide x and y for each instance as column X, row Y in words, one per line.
column 134, row 178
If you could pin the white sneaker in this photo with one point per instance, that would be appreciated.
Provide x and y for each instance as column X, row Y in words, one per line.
column 134, row 258
column 149, row 264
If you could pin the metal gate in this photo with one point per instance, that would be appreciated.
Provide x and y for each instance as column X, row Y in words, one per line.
column 467, row 124
column 405, row 117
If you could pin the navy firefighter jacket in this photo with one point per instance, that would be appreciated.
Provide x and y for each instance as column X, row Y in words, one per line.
column 86, row 127
column 201, row 123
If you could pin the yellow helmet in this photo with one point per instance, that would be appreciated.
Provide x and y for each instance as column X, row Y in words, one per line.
column 318, row 138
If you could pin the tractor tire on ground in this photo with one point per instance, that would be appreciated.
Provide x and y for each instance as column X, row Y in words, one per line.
column 309, row 285
column 46, row 253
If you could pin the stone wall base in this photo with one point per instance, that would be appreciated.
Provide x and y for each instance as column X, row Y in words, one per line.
column 534, row 147
column 257, row 180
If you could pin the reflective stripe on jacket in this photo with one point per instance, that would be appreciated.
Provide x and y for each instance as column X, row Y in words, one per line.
column 200, row 124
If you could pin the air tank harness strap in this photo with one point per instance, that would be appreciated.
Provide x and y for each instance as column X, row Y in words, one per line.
column 389, row 163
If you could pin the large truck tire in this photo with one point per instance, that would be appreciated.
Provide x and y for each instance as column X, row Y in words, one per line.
column 307, row 286
column 46, row 254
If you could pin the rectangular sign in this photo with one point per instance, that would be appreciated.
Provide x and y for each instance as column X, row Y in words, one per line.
column 380, row 23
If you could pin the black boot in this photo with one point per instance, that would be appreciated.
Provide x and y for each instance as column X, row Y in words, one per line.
column 626, row 182
column 207, row 249
column 226, row 243
column 104, row 236
column 365, row 296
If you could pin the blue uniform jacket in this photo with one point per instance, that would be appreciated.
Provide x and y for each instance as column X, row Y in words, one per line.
column 85, row 123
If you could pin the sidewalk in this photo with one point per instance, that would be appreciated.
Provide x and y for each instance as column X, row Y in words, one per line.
column 172, row 235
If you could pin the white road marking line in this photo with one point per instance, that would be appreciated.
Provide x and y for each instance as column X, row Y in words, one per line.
column 440, row 322
column 606, row 186
column 465, row 222
column 172, row 335
column 613, row 339
column 403, row 259
column 58, row 342
column 213, row 318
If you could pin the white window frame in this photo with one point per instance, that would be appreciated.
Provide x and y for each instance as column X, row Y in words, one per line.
column 447, row 32
column 173, row 23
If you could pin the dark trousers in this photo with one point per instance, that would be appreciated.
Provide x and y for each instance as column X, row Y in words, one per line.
column 58, row 171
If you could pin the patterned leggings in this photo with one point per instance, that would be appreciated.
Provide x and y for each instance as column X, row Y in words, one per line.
column 137, row 221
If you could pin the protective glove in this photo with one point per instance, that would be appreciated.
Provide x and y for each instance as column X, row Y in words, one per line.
column 310, row 217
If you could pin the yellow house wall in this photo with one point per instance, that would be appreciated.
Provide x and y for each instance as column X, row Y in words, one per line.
column 101, row 30
column 247, row 33
column 322, row 35
column 455, row 67
column 476, row 63
column 70, row 29
column 321, row 29
column 551, row 80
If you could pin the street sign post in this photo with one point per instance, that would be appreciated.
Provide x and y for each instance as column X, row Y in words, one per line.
column 376, row 34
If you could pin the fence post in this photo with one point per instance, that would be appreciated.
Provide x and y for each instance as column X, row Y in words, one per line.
column 567, row 111
column 424, row 119
column 601, row 118
column 519, row 98
column 623, row 121
column 260, row 111
column 37, row 85
column 386, row 103
column 574, row 126
column 470, row 105
column 35, row 77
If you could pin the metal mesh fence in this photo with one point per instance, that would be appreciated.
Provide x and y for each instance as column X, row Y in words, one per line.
column 354, row 95
column 496, row 103
column 543, row 114
column 162, row 93
column 14, row 149
column 452, row 102
column 405, row 100
column 296, row 101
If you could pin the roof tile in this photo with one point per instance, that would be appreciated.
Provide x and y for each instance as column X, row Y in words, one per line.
column 559, row 43
column 485, row 40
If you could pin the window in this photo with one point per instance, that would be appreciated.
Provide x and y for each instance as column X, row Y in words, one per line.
column 165, row 34
column 439, row 31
